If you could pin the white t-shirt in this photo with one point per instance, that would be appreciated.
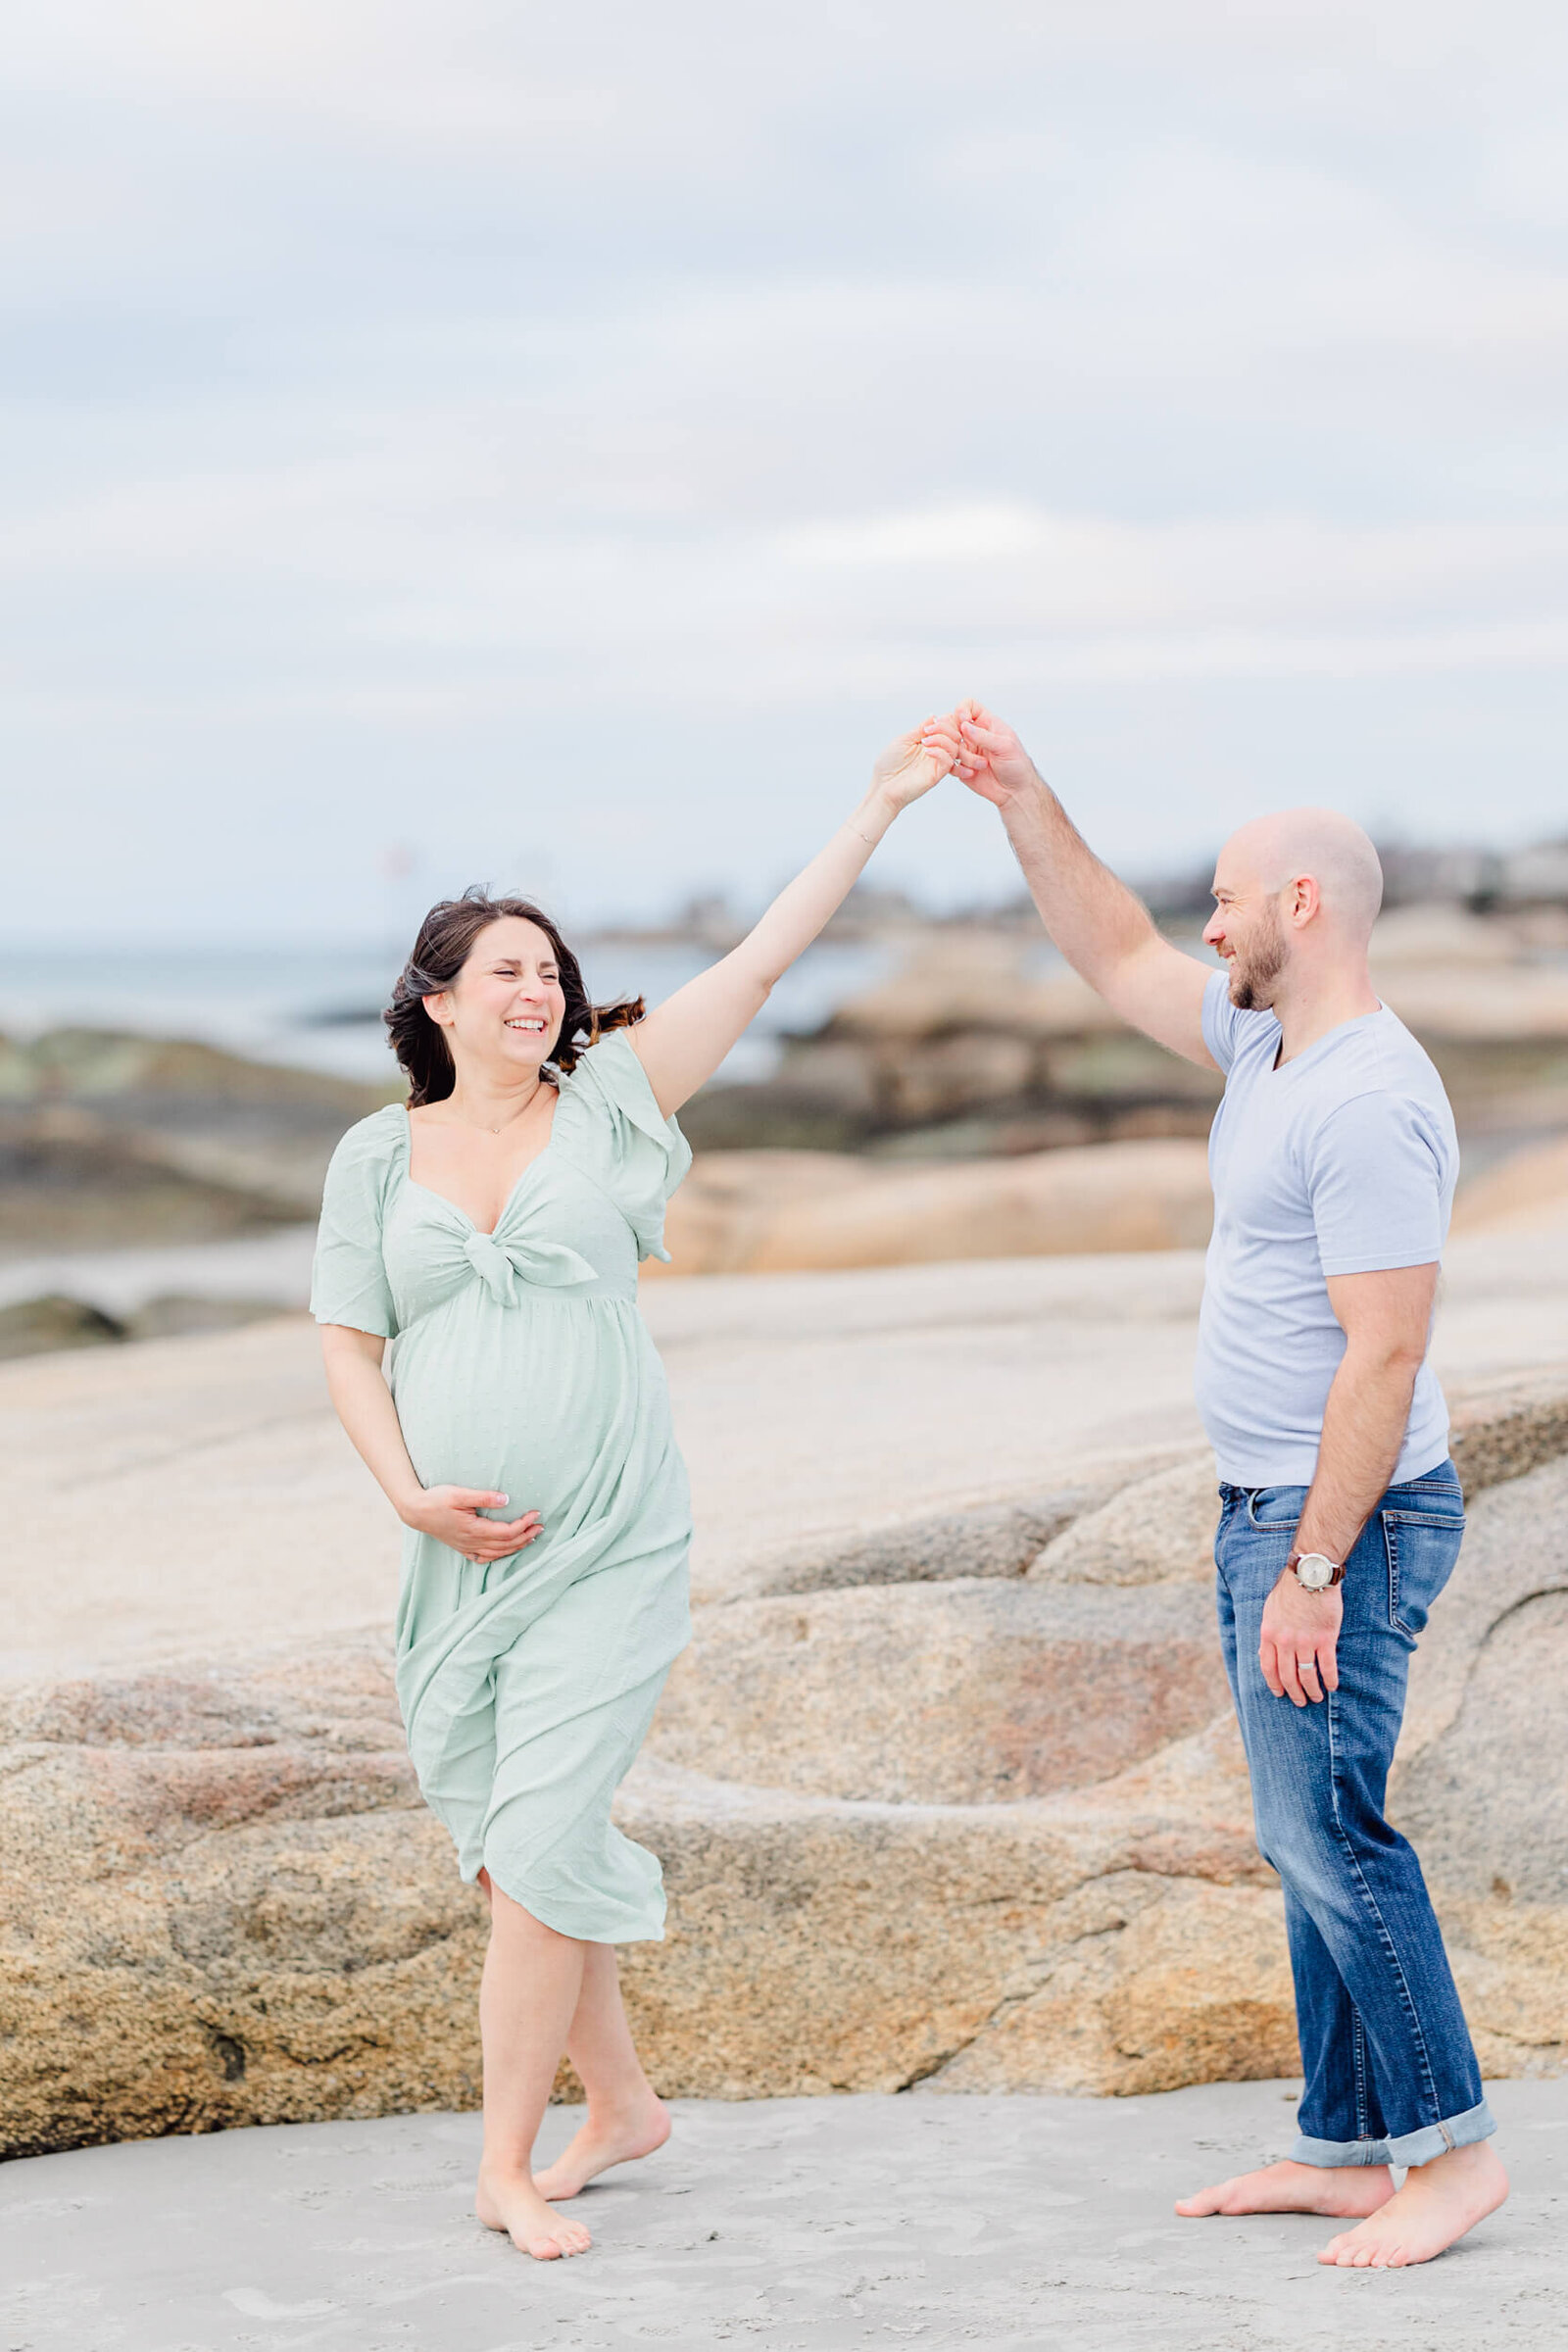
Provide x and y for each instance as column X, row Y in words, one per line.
column 1342, row 1161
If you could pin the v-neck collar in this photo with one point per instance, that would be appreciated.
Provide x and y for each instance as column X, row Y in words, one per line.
column 1299, row 1062
column 458, row 1211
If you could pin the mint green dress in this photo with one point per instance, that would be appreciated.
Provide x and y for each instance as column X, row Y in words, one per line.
column 520, row 1362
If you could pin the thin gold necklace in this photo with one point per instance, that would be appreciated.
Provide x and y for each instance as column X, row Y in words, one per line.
column 512, row 1121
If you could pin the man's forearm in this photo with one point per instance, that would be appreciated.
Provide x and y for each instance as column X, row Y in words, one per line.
column 1094, row 919
column 1365, row 1422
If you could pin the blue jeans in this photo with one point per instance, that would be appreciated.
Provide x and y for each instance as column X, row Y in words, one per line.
column 1390, row 2074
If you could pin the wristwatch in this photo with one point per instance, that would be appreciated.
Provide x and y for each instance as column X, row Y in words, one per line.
column 1313, row 1571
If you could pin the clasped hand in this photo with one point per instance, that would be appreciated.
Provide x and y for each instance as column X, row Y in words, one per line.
column 453, row 1515
column 969, row 742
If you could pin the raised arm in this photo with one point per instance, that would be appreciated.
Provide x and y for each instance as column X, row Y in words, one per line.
column 685, row 1039
column 1105, row 933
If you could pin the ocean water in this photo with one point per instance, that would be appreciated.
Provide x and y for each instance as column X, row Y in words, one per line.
column 317, row 1007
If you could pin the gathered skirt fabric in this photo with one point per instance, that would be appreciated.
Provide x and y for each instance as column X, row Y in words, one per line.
column 528, row 1685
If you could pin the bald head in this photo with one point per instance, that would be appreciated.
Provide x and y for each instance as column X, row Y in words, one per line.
column 1316, row 844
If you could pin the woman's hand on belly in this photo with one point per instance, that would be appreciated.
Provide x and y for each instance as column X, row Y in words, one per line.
column 452, row 1515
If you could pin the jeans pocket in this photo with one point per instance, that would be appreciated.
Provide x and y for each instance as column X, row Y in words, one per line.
column 1422, row 1549
column 1275, row 1510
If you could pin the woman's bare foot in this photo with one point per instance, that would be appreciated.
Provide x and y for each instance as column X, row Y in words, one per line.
column 1438, row 2202
column 603, row 2141
column 508, row 2201
column 1348, row 2191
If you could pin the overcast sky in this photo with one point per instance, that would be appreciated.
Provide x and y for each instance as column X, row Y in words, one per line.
column 561, row 443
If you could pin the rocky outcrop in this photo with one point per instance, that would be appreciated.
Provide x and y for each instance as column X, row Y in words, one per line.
column 986, row 1832
column 973, row 1046
column 106, row 1067
column 1518, row 1192
column 1501, row 1429
column 818, row 1946
column 933, row 1547
column 966, row 1048
column 1160, row 1530
column 224, row 1904
column 778, row 1211
column 944, row 1693
column 1154, row 1530
column 73, row 1180
column 774, row 1211
column 117, row 1140
column 1496, row 1006
column 976, row 1044
column 44, row 1325
column 1479, row 1783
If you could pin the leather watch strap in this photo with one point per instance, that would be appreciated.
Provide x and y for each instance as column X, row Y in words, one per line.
column 1319, row 1555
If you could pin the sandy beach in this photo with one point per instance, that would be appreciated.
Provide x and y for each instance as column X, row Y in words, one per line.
column 796, row 2225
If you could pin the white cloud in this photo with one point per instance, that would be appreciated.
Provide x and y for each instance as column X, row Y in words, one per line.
column 967, row 535
column 438, row 591
column 381, row 374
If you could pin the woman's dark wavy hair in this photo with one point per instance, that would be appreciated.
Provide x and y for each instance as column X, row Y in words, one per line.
column 445, row 943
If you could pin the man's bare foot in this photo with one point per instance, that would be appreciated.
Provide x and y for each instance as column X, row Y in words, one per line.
column 605, row 2140
column 509, row 2201
column 1348, row 2191
column 1438, row 2202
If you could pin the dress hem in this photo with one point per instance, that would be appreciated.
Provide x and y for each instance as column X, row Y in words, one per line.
column 541, row 1912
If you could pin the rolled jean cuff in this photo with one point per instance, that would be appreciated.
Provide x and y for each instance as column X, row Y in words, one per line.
column 1336, row 2155
column 1438, row 2139
column 1407, row 2148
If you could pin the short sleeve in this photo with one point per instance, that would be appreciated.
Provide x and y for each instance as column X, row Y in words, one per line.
column 1377, row 1185
column 1221, row 1020
column 608, row 1120
column 348, row 1282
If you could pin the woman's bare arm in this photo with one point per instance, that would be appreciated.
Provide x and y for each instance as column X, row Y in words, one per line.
column 685, row 1039
column 364, row 1404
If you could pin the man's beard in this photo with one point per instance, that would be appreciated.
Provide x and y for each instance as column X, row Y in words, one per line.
column 1253, row 981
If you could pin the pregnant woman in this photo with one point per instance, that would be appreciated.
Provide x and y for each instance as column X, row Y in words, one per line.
column 491, row 1231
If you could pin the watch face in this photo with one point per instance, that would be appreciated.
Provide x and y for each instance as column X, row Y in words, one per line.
column 1314, row 1571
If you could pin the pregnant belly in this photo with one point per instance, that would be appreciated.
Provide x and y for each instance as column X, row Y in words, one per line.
column 548, row 1409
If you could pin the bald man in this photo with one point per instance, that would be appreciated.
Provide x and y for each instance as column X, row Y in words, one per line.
column 1332, row 1157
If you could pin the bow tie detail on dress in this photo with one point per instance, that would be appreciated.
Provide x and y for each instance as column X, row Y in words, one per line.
column 500, row 1263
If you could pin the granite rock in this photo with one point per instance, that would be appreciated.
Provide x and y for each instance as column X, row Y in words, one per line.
column 1518, row 1192
column 1479, row 1783
column 1504, row 1429
column 822, row 1946
column 42, row 1325
column 1161, row 1528
column 938, row 1546
column 1148, row 1985
column 226, row 1904
column 1157, row 1529
column 778, row 1211
column 907, row 1857
column 731, row 1200
column 944, row 1693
